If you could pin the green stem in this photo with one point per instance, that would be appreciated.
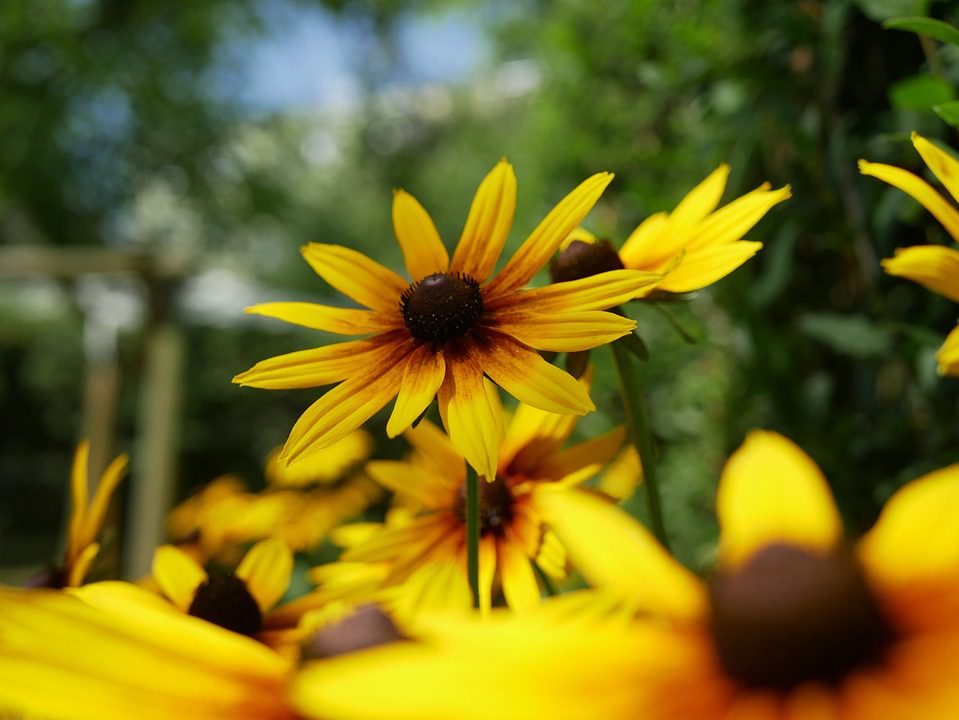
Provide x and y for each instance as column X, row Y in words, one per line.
column 472, row 532
column 544, row 578
column 639, row 432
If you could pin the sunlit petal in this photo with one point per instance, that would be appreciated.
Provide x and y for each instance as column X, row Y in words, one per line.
column 423, row 249
column 488, row 224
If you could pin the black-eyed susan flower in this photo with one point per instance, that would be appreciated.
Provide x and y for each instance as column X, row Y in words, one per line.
column 425, row 557
column 935, row 267
column 236, row 601
column 87, row 516
column 440, row 332
column 794, row 623
column 692, row 247
column 108, row 655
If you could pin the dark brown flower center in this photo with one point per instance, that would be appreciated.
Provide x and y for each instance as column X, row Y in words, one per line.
column 224, row 600
column 368, row 627
column 495, row 505
column 582, row 259
column 441, row 307
column 790, row 616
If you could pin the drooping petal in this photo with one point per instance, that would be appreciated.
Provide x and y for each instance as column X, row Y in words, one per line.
column 101, row 497
column 699, row 202
column 519, row 582
column 700, row 269
column 919, row 190
column 177, row 574
column 596, row 292
column 470, row 419
column 526, row 376
column 422, row 377
column 423, row 250
column 564, row 332
column 614, row 552
column 917, row 535
column 731, row 222
column 533, row 434
column 342, row 321
column 324, row 365
column 266, row 569
column 948, row 355
column 432, row 490
column 772, row 492
column 487, row 225
column 543, row 241
column 356, row 276
column 943, row 165
column 935, row 267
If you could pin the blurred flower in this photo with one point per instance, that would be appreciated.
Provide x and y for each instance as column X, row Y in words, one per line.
column 794, row 624
column 935, row 267
column 692, row 247
column 86, row 520
column 425, row 556
column 441, row 333
column 322, row 467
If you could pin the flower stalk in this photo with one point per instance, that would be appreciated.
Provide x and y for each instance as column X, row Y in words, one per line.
column 640, row 435
column 472, row 532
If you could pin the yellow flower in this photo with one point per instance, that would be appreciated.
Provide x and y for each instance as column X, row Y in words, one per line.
column 426, row 555
column 322, row 467
column 238, row 601
column 933, row 266
column 439, row 334
column 794, row 624
column 121, row 654
column 86, row 520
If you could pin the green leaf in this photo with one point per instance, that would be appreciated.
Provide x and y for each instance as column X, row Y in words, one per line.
column 880, row 10
column 949, row 112
column 936, row 29
column 853, row 335
column 920, row 92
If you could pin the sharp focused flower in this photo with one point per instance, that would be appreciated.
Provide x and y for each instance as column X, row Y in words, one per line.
column 427, row 554
column 794, row 624
column 439, row 333
column 692, row 247
column 935, row 267
column 86, row 520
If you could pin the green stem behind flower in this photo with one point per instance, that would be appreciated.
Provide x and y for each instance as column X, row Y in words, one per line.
column 472, row 532
column 639, row 433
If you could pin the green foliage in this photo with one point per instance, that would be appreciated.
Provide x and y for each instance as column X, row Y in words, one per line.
column 930, row 27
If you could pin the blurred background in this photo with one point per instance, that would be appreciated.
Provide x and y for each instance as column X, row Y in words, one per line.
column 161, row 164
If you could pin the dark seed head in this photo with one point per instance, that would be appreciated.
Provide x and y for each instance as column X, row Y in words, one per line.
column 495, row 505
column 368, row 627
column 582, row 259
column 441, row 307
column 224, row 600
column 790, row 616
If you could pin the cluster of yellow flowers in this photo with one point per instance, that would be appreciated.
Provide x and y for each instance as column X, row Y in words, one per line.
column 447, row 608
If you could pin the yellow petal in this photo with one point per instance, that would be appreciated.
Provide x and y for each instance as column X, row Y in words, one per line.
column 919, row 190
column 731, row 222
column 423, row 249
column 543, row 241
column 487, row 572
column 488, row 224
column 579, row 234
column 472, row 422
column 342, row 321
column 322, row 466
column 935, row 267
column 701, row 268
column 101, row 497
column 948, row 356
column 318, row 366
column 650, row 245
column 582, row 461
column 81, row 566
column 266, row 569
column 355, row 275
column 943, row 165
column 623, row 476
column 434, row 448
column 596, row 292
column 564, row 332
column 614, row 552
column 519, row 582
column 699, row 202
column 772, row 492
column 79, row 490
column 422, row 377
column 432, row 490
column 917, row 535
column 526, row 376
column 177, row 574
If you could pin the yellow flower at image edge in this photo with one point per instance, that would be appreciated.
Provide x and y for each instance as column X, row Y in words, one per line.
column 441, row 332
column 794, row 623
column 935, row 267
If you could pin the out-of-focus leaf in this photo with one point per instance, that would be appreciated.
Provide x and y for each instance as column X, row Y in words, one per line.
column 880, row 10
column 853, row 335
column 949, row 111
column 936, row 29
column 920, row 92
